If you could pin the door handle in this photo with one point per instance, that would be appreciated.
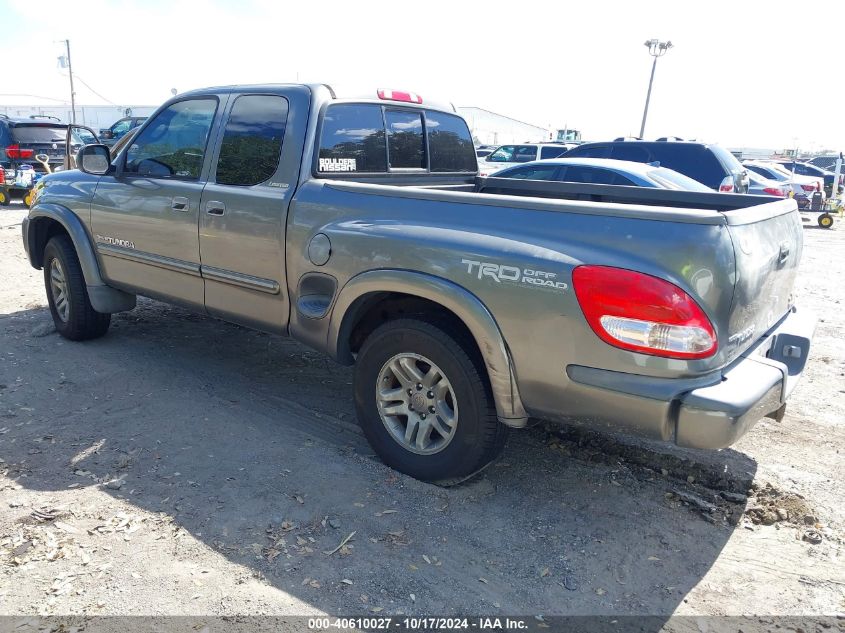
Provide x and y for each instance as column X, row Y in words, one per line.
column 179, row 203
column 214, row 207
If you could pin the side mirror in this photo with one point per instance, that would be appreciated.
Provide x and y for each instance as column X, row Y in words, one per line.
column 94, row 159
column 106, row 134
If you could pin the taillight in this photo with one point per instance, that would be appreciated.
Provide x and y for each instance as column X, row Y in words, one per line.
column 2, row 176
column 809, row 187
column 398, row 95
column 15, row 151
column 774, row 191
column 641, row 313
column 726, row 188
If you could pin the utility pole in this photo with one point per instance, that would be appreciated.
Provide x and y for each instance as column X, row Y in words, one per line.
column 72, row 93
column 656, row 49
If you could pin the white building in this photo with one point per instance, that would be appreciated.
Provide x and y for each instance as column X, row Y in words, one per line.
column 489, row 128
column 95, row 117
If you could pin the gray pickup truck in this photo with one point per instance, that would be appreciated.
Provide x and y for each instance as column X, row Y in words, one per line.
column 467, row 305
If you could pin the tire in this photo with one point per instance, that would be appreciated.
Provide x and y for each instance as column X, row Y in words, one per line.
column 5, row 198
column 462, row 393
column 73, row 315
column 825, row 220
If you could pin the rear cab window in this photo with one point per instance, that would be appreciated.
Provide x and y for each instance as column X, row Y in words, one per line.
column 362, row 138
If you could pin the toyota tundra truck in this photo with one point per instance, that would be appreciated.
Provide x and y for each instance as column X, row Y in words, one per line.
column 467, row 305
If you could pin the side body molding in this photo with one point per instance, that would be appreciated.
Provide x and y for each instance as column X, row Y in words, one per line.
column 103, row 298
column 451, row 296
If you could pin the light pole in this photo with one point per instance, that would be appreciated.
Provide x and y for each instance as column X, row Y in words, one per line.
column 65, row 61
column 656, row 49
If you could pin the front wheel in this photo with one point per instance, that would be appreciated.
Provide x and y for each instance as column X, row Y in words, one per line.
column 825, row 220
column 67, row 295
column 424, row 402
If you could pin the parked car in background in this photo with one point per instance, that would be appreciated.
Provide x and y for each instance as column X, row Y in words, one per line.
column 603, row 171
column 118, row 129
column 825, row 162
column 760, row 186
column 709, row 164
column 806, row 169
column 510, row 155
column 24, row 140
column 802, row 187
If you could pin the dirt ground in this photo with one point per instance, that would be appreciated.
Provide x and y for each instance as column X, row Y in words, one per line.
column 182, row 465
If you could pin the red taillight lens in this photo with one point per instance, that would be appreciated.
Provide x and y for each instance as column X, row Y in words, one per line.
column 809, row 187
column 398, row 95
column 774, row 191
column 641, row 313
column 2, row 176
column 726, row 188
column 14, row 151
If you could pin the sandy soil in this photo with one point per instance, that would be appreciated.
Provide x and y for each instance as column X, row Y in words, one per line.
column 182, row 465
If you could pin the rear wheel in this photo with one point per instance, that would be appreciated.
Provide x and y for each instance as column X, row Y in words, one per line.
column 825, row 220
column 5, row 198
column 424, row 403
column 67, row 295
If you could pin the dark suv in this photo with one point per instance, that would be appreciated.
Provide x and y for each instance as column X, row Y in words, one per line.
column 710, row 165
column 24, row 139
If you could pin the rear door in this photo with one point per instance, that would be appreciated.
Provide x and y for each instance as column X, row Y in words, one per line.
column 75, row 138
column 243, row 211
column 145, row 216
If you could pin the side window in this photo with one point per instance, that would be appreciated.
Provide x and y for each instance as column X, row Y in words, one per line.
column 173, row 145
column 545, row 172
column 405, row 140
column 525, row 154
column 619, row 179
column 449, row 143
column 630, row 151
column 502, row 155
column 352, row 139
column 694, row 161
column 588, row 175
column 551, row 151
column 252, row 141
column 596, row 151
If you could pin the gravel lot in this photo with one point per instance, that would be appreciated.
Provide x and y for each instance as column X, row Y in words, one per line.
column 182, row 465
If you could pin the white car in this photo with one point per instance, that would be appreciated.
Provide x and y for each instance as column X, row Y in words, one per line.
column 803, row 187
column 510, row 155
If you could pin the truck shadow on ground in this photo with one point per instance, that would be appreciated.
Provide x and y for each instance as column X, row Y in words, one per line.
column 247, row 442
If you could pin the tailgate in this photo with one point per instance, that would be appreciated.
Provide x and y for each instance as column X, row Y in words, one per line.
column 767, row 242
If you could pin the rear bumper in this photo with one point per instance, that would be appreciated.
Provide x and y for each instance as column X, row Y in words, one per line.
column 757, row 385
column 711, row 411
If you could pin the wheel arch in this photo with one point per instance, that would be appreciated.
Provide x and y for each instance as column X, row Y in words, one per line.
column 47, row 220
column 365, row 292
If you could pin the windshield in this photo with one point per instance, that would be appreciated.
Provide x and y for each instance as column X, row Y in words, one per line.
column 38, row 134
column 670, row 179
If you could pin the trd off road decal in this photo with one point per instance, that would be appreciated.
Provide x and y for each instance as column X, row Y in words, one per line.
column 501, row 272
column 338, row 164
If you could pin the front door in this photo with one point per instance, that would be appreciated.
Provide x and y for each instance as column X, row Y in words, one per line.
column 243, row 213
column 145, row 216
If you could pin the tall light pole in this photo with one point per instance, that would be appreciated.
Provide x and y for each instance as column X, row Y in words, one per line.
column 656, row 49
column 65, row 61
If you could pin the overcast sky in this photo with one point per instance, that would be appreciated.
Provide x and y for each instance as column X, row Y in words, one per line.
column 741, row 73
